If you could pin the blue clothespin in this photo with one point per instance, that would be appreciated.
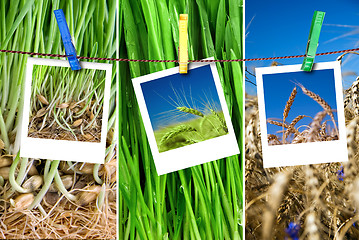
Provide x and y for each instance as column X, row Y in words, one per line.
column 66, row 39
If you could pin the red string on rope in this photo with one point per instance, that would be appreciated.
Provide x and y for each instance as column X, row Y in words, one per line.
column 144, row 60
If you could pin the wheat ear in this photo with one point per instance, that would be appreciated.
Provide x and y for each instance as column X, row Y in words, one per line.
column 311, row 227
column 351, row 131
column 287, row 107
column 289, row 103
column 220, row 119
column 355, row 96
column 276, row 193
column 315, row 126
column 176, row 131
column 280, row 124
column 277, row 123
column 190, row 111
column 323, row 129
column 347, row 98
column 272, row 137
column 320, row 101
column 291, row 127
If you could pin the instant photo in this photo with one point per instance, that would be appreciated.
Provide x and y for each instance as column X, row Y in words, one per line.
column 185, row 117
column 65, row 112
column 301, row 115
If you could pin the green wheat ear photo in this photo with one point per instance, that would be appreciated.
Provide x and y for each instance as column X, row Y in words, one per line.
column 184, row 109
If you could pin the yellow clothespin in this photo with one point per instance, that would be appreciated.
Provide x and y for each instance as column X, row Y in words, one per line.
column 183, row 43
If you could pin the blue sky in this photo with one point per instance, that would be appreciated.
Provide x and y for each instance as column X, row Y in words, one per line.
column 281, row 28
column 278, row 87
column 195, row 90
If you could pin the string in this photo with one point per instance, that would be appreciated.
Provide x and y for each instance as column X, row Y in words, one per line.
column 176, row 61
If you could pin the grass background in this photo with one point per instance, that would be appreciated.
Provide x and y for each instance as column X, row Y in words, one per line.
column 205, row 201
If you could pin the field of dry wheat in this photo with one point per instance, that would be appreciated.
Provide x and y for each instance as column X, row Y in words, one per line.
column 302, row 202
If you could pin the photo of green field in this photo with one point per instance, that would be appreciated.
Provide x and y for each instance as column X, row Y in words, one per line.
column 184, row 109
column 66, row 104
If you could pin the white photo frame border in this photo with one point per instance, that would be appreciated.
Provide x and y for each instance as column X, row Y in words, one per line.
column 194, row 154
column 89, row 152
column 303, row 153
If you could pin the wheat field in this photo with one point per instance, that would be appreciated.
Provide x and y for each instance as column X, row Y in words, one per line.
column 302, row 202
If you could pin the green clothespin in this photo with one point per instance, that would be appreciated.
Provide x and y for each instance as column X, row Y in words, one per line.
column 313, row 40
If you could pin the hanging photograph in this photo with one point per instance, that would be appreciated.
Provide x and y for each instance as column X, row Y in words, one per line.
column 186, row 117
column 65, row 112
column 301, row 114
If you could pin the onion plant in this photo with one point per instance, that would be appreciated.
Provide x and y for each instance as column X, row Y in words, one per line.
column 201, row 202
column 30, row 25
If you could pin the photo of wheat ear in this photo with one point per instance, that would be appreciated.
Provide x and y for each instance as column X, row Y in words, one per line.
column 204, row 126
column 184, row 110
column 66, row 104
column 317, row 130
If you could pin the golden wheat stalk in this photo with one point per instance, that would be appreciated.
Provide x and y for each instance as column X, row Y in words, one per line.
column 275, row 196
column 355, row 96
column 287, row 107
column 280, row 124
column 315, row 126
column 323, row 129
column 289, row 103
column 291, row 127
column 272, row 137
column 321, row 102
